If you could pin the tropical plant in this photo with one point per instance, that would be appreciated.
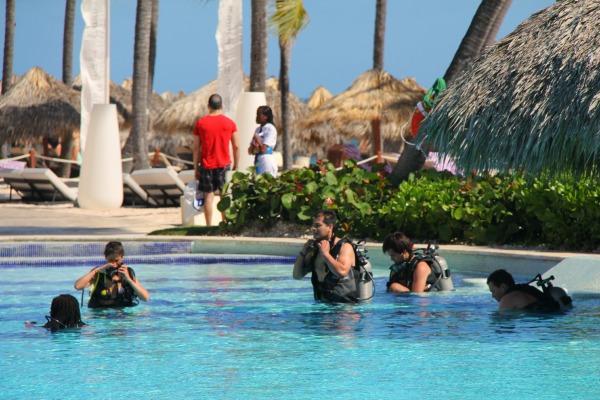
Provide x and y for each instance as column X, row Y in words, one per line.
column 289, row 19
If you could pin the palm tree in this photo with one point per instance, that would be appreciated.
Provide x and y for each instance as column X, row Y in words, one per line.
column 9, row 45
column 475, row 39
column 378, row 47
column 258, row 48
column 289, row 18
column 491, row 37
column 136, row 144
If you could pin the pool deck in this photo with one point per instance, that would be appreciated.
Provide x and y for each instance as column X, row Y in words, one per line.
column 64, row 222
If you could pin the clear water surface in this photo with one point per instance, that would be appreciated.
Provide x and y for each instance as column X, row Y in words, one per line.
column 252, row 332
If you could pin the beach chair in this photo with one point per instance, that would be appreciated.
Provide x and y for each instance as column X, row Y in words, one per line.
column 186, row 176
column 38, row 184
column 134, row 194
column 162, row 185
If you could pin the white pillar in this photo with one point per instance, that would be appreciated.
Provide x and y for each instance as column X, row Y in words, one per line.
column 101, row 177
column 246, row 124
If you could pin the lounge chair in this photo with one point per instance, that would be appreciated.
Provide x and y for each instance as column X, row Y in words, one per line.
column 133, row 193
column 186, row 176
column 37, row 184
column 161, row 184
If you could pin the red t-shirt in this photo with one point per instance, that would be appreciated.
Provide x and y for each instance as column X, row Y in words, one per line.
column 214, row 132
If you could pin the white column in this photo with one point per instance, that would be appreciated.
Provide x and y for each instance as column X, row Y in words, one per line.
column 246, row 124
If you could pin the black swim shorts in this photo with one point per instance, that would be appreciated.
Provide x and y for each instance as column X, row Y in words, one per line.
column 212, row 180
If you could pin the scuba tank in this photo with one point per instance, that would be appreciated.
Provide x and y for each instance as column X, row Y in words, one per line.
column 444, row 281
column 558, row 294
column 364, row 284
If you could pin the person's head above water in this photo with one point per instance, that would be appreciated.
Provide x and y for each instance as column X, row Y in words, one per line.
column 64, row 313
column 398, row 246
column 114, row 252
column 324, row 225
column 499, row 282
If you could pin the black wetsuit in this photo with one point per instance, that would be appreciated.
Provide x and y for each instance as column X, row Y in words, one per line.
column 543, row 303
column 404, row 273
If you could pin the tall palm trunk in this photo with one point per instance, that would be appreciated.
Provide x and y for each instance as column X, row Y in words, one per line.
column 7, row 63
column 258, row 47
column 152, row 56
column 474, row 40
column 285, row 49
column 64, row 169
column 378, row 46
column 495, row 28
column 136, row 144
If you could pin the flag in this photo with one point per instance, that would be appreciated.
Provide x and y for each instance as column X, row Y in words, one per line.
column 94, row 60
column 230, row 80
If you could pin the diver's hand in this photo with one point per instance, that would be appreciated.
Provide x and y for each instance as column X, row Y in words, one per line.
column 124, row 273
column 323, row 246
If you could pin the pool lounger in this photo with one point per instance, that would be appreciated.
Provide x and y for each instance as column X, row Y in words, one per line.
column 38, row 184
column 162, row 185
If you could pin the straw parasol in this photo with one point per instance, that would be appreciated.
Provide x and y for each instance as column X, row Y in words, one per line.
column 532, row 101
column 318, row 97
column 37, row 105
column 375, row 95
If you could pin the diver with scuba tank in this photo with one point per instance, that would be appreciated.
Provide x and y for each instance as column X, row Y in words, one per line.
column 420, row 270
column 340, row 274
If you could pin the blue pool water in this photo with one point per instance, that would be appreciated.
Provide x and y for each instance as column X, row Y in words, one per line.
column 234, row 331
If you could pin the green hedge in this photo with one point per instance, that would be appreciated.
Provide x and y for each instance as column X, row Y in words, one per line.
column 437, row 206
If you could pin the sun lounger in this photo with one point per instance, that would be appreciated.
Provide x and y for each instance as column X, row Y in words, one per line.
column 38, row 184
column 186, row 176
column 133, row 193
column 161, row 184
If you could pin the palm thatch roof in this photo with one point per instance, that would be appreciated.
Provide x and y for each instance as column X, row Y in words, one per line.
column 530, row 102
column 37, row 105
column 349, row 115
column 318, row 97
column 181, row 115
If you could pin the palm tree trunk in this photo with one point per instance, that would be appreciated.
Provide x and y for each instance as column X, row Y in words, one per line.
column 9, row 46
column 258, row 49
column 491, row 37
column 137, row 141
column 475, row 38
column 378, row 46
column 153, row 39
column 285, row 49
column 67, row 66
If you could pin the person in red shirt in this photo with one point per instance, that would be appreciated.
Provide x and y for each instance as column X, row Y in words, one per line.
column 212, row 159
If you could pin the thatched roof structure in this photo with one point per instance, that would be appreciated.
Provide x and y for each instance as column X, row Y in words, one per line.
column 530, row 102
column 318, row 97
column 37, row 105
column 349, row 115
column 181, row 115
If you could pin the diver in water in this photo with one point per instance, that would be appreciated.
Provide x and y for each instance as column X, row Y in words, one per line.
column 114, row 283
column 512, row 296
column 331, row 261
column 64, row 313
column 414, row 270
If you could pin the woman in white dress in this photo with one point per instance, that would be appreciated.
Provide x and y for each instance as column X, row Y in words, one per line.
column 264, row 141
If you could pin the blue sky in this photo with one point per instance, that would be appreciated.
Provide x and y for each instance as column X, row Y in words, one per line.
column 334, row 49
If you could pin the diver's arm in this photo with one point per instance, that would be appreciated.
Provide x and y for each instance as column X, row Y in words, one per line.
column 419, row 283
column 140, row 291
column 396, row 287
column 340, row 267
column 302, row 264
column 87, row 279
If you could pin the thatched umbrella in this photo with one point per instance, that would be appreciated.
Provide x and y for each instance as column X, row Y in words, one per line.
column 181, row 115
column 318, row 97
column 532, row 101
column 375, row 95
column 37, row 105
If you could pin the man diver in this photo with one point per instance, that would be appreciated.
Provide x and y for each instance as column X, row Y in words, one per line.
column 330, row 259
column 513, row 296
column 114, row 283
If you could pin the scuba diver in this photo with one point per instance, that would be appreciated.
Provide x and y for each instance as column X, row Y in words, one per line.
column 512, row 296
column 340, row 272
column 114, row 284
column 64, row 313
column 420, row 270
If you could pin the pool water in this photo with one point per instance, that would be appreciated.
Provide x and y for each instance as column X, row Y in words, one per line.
column 226, row 331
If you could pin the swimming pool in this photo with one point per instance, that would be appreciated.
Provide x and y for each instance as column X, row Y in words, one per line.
column 239, row 331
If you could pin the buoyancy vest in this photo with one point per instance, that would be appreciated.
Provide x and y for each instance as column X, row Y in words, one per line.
column 98, row 293
column 544, row 302
column 333, row 288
